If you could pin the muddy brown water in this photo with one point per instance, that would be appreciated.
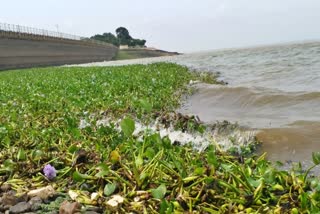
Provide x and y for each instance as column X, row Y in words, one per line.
column 287, row 131
column 295, row 143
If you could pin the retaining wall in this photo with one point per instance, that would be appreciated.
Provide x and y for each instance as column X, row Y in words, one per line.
column 21, row 51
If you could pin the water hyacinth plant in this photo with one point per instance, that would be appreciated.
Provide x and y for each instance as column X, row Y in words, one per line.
column 107, row 166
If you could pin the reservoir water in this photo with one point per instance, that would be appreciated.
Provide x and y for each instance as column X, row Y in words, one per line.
column 273, row 89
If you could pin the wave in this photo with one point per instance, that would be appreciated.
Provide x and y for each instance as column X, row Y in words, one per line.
column 252, row 107
column 257, row 97
column 272, row 89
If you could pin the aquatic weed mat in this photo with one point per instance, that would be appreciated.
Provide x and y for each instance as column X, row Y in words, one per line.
column 49, row 137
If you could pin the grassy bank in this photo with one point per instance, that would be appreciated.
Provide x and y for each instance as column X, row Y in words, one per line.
column 82, row 121
column 140, row 53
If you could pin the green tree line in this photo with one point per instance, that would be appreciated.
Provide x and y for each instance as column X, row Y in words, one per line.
column 122, row 37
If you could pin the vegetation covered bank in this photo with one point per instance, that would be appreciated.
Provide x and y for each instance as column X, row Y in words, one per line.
column 76, row 130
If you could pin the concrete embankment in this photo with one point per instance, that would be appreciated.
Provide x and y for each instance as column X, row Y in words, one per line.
column 18, row 51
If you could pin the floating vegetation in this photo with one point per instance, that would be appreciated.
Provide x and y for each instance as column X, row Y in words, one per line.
column 101, row 137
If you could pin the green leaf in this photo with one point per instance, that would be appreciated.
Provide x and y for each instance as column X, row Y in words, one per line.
column 143, row 176
column 9, row 165
column 166, row 143
column 149, row 153
column 209, row 210
column 21, row 155
column 163, row 206
column 156, row 138
column 138, row 161
column 103, row 170
column 127, row 126
column 316, row 158
column 160, row 192
column 3, row 130
column 72, row 149
column 78, row 177
column 199, row 171
column 109, row 189
column 254, row 183
column 6, row 142
column 166, row 207
column 212, row 158
column 146, row 106
column 37, row 155
column 304, row 200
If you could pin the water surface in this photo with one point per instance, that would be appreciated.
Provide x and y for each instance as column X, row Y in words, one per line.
column 274, row 89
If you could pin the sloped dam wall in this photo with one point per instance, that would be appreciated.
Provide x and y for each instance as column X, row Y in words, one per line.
column 22, row 51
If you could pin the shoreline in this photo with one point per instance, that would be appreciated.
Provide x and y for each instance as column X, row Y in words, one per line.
column 140, row 53
column 289, row 153
column 60, row 116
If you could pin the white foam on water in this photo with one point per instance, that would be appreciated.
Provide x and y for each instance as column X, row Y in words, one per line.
column 234, row 139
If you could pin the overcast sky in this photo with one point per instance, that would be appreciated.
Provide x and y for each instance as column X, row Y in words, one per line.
column 177, row 25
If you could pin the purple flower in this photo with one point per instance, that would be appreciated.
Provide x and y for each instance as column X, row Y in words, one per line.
column 50, row 172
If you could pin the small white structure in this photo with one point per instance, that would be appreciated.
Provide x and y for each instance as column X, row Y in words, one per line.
column 124, row 47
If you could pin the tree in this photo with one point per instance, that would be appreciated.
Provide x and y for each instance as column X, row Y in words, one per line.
column 140, row 42
column 123, row 36
column 107, row 37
